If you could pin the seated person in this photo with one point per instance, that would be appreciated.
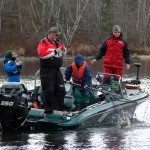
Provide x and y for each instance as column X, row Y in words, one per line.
column 12, row 67
column 82, row 81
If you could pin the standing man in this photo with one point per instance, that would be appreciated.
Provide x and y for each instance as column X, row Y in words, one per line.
column 115, row 51
column 51, row 53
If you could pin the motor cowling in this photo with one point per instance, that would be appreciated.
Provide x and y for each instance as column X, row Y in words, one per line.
column 13, row 105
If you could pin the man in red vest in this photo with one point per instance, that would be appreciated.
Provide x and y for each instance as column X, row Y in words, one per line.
column 51, row 53
column 115, row 51
column 81, row 76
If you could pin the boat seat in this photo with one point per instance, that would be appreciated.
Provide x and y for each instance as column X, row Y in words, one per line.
column 40, row 94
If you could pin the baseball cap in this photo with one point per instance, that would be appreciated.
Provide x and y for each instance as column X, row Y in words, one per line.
column 116, row 28
column 53, row 30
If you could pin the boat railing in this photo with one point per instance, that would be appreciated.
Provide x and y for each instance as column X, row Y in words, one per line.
column 112, row 82
column 36, row 77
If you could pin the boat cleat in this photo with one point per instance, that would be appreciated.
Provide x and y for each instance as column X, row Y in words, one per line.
column 71, row 114
column 60, row 113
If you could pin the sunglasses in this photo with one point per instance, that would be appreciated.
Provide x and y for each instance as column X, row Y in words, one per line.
column 55, row 34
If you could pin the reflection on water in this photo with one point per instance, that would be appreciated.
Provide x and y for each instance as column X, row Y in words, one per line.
column 88, row 139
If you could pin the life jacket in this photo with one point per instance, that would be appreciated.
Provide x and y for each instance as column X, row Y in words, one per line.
column 114, row 55
column 54, row 61
column 78, row 73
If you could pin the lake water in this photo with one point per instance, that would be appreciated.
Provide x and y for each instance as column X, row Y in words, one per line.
column 134, row 137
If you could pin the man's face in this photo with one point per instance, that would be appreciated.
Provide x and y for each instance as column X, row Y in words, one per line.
column 116, row 34
column 53, row 36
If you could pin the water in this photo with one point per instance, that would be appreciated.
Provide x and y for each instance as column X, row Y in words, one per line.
column 134, row 137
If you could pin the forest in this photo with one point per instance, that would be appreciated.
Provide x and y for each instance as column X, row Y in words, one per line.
column 83, row 24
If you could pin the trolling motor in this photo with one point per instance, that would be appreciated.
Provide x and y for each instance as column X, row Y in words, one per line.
column 134, row 84
column 137, row 81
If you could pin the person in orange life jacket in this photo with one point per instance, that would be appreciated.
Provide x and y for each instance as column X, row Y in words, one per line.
column 81, row 75
column 12, row 66
column 51, row 53
column 115, row 51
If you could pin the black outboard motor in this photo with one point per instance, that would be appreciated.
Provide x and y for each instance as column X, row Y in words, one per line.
column 13, row 105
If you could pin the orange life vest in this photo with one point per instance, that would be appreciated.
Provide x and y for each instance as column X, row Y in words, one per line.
column 78, row 73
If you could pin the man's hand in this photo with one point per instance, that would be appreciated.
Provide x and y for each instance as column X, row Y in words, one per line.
column 68, row 82
column 93, row 61
column 127, row 66
column 59, row 49
column 85, row 86
column 18, row 63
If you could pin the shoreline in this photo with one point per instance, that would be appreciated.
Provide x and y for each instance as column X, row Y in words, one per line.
column 143, row 56
column 72, row 57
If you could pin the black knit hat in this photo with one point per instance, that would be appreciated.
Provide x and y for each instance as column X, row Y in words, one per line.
column 8, row 54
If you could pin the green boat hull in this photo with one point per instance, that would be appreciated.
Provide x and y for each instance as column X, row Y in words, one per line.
column 98, row 114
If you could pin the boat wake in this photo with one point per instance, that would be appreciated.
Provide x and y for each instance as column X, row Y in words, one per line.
column 124, row 120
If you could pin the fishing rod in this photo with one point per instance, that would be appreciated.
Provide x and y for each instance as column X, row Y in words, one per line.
column 77, row 84
column 112, row 96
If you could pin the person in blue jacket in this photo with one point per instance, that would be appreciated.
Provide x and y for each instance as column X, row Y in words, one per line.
column 81, row 76
column 12, row 66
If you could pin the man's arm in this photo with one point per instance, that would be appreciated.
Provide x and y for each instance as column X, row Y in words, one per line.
column 44, row 52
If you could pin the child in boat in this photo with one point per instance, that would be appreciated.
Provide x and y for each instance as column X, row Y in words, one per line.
column 81, row 81
column 12, row 66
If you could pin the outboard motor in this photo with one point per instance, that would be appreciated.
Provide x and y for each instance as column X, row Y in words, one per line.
column 13, row 105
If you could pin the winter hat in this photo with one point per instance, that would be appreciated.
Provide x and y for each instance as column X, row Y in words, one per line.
column 116, row 28
column 78, row 59
column 8, row 54
column 53, row 30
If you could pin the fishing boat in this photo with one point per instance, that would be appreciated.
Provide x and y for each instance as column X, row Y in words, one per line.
column 114, row 101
